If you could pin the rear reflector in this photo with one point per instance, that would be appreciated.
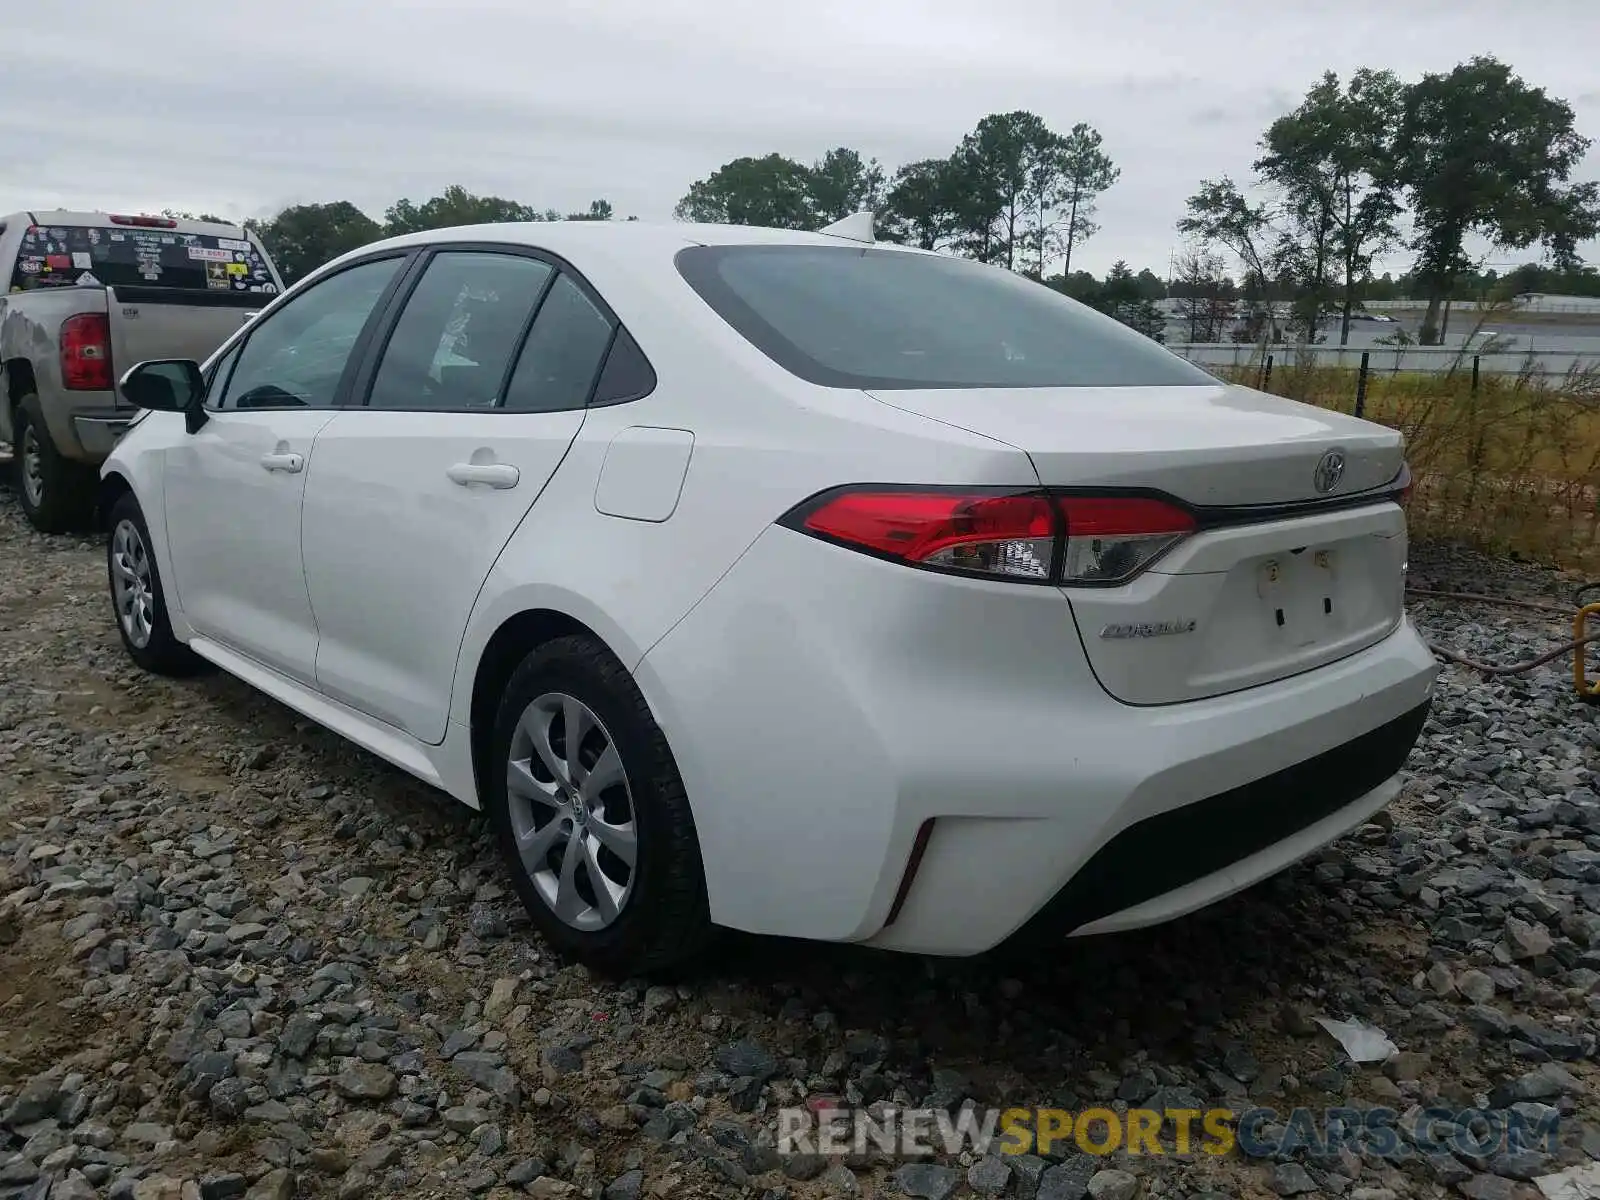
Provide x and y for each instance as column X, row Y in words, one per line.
column 1031, row 537
column 86, row 353
column 1110, row 539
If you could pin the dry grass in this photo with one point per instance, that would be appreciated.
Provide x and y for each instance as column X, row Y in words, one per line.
column 1513, row 466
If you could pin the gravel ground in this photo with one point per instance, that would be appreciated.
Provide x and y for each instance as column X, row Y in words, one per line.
column 240, row 957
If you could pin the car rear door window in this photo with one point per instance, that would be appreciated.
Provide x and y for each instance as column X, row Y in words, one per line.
column 455, row 339
column 563, row 354
column 296, row 356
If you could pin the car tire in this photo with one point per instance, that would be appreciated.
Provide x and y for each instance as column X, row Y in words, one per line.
column 640, row 917
column 138, row 601
column 57, row 495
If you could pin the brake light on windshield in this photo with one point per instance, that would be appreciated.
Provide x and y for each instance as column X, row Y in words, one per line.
column 1030, row 537
column 86, row 353
column 144, row 222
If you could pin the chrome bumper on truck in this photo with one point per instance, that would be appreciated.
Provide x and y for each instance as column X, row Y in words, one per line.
column 98, row 433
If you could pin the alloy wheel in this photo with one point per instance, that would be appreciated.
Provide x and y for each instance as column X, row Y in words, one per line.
column 572, row 812
column 131, row 586
column 32, row 467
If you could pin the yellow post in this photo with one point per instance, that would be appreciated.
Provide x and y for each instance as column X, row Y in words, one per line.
column 1587, row 690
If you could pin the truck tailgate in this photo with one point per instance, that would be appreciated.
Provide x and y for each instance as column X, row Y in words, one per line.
column 158, row 322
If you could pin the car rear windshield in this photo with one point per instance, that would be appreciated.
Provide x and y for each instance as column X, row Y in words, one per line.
column 120, row 256
column 889, row 319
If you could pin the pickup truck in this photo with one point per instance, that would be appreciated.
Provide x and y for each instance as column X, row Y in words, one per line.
column 84, row 296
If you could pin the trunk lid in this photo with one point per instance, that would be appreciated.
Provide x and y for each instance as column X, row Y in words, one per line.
column 1251, row 596
column 1215, row 445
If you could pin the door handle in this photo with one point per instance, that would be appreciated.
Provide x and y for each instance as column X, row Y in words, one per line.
column 283, row 462
column 495, row 475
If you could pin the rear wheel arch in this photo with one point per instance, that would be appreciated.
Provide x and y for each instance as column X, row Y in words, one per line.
column 20, row 380
column 517, row 637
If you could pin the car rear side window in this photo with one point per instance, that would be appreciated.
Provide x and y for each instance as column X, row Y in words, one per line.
column 892, row 319
column 562, row 355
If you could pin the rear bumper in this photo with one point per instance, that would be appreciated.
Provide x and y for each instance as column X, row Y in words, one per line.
column 823, row 706
column 85, row 425
column 98, row 434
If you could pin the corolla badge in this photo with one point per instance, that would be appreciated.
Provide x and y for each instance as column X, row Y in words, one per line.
column 1330, row 469
column 1149, row 629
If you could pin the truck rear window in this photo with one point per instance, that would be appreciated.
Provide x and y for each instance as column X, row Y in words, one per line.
column 92, row 255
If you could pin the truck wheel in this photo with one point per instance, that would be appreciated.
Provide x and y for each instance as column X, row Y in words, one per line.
column 57, row 494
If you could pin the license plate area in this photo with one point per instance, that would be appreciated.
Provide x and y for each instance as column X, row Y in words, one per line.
column 1301, row 597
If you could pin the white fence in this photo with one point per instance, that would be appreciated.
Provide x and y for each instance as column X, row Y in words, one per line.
column 1434, row 359
column 1531, row 302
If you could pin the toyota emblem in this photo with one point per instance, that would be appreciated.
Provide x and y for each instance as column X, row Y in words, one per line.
column 1330, row 469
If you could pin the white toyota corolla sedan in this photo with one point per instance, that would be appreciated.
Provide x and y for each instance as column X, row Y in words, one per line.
column 783, row 581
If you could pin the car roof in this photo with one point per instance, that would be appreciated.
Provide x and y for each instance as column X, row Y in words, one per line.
column 587, row 236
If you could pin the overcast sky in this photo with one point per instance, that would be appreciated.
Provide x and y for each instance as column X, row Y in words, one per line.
column 242, row 107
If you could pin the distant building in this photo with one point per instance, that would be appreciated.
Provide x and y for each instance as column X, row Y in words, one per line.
column 1547, row 302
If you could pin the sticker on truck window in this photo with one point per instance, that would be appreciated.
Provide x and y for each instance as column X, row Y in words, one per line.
column 132, row 257
column 217, row 275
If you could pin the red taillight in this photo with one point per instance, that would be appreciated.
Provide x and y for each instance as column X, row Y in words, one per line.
column 969, row 532
column 86, row 353
column 1110, row 539
column 1407, row 484
column 144, row 222
column 1030, row 536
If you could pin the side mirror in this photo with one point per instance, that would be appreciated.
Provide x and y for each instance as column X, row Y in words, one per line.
column 167, row 385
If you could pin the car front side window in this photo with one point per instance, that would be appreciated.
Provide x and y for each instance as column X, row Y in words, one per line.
column 297, row 356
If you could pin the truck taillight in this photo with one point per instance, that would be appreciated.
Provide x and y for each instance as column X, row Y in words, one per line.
column 86, row 353
column 1034, row 537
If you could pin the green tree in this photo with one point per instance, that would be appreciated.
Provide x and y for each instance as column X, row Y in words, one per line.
column 1151, row 285
column 1120, row 297
column 842, row 182
column 1086, row 171
column 1010, row 173
column 1332, row 159
column 456, row 206
column 1479, row 151
column 922, row 203
column 773, row 191
column 599, row 210
column 179, row 215
column 304, row 236
column 1219, row 214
